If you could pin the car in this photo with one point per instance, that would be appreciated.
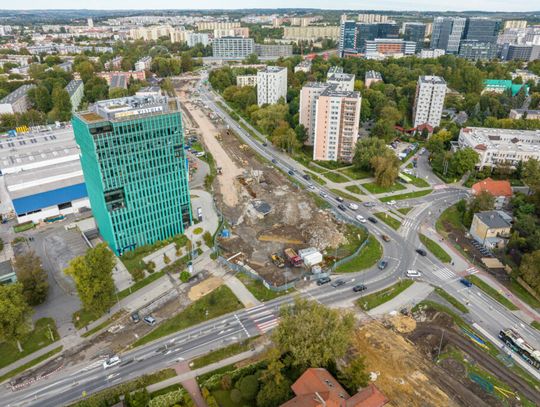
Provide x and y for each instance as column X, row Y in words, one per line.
column 421, row 252
column 135, row 317
column 323, row 194
column 413, row 273
column 290, row 172
column 392, row 202
column 339, row 199
column 112, row 361
column 323, row 280
column 150, row 320
column 342, row 207
column 338, row 283
column 465, row 282
column 353, row 206
column 265, row 144
column 311, row 186
column 386, row 238
column 274, row 161
column 372, row 219
column 422, row 151
column 369, row 204
column 306, row 177
column 382, row 264
column 359, row 287
column 360, row 219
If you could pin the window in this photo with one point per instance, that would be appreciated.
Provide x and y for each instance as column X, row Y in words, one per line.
column 64, row 205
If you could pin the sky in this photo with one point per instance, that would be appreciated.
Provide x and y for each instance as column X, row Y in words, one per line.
column 423, row 5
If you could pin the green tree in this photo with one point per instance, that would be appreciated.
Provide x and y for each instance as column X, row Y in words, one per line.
column 313, row 334
column 285, row 138
column 186, row 62
column 530, row 269
column 96, row 89
column 483, row 201
column 384, row 129
column 463, row 160
column 274, row 394
column 252, row 59
column 366, row 148
column 92, row 274
column 85, row 69
column 32, row 277
column 41, row 98
column 14, row 314
column 531, row 173
column 61, row 110
column 386, row 169
column 117, row 93
column 354, row 375
column 140, row 398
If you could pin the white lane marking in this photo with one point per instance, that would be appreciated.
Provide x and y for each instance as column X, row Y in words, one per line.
column 242, row 325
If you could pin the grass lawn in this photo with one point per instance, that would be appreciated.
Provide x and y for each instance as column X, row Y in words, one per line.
column 258, row 289
column 28, row 365
column 316, row 178
column 218, row 302
column 536, row 325
column 408, row 195
column 353, row 173
column 523, row 294
column 389, row 220
column 37, row 339
column 435, row 249
column 492, row 292
column 451, row 216
column 321, row 203
column 104, row 324
column 373, row 300
column 345, row 195
column 419, row 182
column 405, row 211
column 452, row 300
column 335, row 177
column 370, row 254
column 354, row 189
column 221, row 354
column 376, row 189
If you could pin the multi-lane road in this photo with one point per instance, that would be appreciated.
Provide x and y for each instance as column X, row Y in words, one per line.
column 71, row 382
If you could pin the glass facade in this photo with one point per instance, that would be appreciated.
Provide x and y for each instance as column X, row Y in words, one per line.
column 136, row 176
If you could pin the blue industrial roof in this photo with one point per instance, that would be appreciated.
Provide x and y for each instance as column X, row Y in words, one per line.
column 45, row 199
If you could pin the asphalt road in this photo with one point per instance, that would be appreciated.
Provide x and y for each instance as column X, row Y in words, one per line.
column 69, row 383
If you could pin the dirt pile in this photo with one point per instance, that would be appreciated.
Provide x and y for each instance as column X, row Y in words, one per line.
column 401, row 323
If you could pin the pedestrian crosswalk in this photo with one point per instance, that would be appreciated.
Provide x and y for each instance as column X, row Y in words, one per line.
column 472, row 270
column 445, row 274
column 263, row 318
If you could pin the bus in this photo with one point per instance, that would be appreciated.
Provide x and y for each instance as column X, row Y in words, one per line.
column 515, row 342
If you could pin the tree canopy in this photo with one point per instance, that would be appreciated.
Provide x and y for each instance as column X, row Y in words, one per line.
column 14, row 313
column 32, row 277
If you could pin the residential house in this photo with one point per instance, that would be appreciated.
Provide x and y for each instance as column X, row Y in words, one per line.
column 491, row 228
column 501, row 190
column 317, row 388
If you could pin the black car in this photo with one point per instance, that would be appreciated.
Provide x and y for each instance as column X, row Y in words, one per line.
column 306, row 177
column 342, row 207
column 421, row 252
column 372, row 219
column 135, row 317
column 382, row 264
column 265, row 144
column 339, row 199
column 323, row 280
column 290, row 172
column 338, row 283
column 359, row 287
column 274, row 161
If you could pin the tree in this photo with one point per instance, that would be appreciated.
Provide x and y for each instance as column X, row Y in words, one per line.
column 85, row 69
column 354, row 375
column 386, row 169
column 301, row 133
column 32, row 277
column 313, row 334
column 140, row 398
column 483, row 201
column 186, row 62
column 252, row 59
column 92, row 274
column 463, row 160
column 285, row 138
column 14, row 314
column 117, row 93
column 96, row 89
column 274, row 394
column 530, row 269
column 384, row 129
column 41, row 98
column 366, row 148
column 61, row 110
column 531, row 173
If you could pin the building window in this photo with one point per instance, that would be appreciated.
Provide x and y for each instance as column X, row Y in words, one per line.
column 64, row 205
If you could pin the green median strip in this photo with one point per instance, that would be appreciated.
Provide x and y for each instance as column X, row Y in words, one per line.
column 28, row 365
column 355, row 189
column 368, row 256
column 212, row 305
column 389, row 220
column 258, row 289
column 336, row 177
column 408, row 195
column 345, row 195
column 377, row 189
column 435, row 249
column 221, row 354
column 404, row 211
column 492, row 292
column 535, row 325
column 316, row 178
column 452, row 300
column 373, row 300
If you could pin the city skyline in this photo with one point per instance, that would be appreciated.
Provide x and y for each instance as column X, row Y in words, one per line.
column 388, row 5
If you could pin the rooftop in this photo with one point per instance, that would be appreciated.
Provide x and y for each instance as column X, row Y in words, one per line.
column 373, row 75
column 495, row 188
column 505, row 84
column 320, row 85
column 273, row 69
column 435, row 80
column 118, row 81
column 484, row 138
column 331, row 91
column 17, row 94
column 73, row 85
column 494, row 219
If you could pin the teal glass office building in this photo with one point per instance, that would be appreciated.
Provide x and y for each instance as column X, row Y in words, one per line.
column 134, row 166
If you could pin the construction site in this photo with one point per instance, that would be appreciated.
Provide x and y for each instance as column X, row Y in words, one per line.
column 269, row 219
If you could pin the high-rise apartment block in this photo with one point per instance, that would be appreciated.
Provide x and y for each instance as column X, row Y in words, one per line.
column 342, row 81
column 271, row 85
column 309, row 94
column 134, row 165
column 233, row 47
column 429, row 101
column 372, row 18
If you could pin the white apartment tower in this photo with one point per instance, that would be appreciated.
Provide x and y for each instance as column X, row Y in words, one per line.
column 271, row 85
column 429, row 101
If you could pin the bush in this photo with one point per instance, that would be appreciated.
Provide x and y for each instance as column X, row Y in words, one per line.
column 208, row 240
column 249, row 387
column 150, row 267
column 137, row 274
column 166, row 259
column 197, row 231
column 236, row 396
column 184, row 276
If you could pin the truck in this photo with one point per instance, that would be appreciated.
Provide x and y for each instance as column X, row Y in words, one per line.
column 277, row 260
column 294, row 259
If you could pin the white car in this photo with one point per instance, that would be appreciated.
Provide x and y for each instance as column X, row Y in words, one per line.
column 113, row 361
column 311, row 186
column 353, row 206
column 323, row 194
column 392, row 202
column 413, row 273
column 360, row 219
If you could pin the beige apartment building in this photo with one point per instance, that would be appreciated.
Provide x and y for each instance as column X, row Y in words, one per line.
column 232, row 32
column 246, row 80
column 311, row 32
column 309, row 94
column 216, row 25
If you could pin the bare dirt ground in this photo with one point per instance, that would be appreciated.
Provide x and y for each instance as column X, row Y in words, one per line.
column 247, row 181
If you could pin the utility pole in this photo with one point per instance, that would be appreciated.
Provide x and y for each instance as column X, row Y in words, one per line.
column 440, row 345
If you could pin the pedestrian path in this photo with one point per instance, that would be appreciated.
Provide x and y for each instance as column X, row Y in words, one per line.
column 445, row 274
column 263, row 318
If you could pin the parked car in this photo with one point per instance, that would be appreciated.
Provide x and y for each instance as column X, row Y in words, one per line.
column 372, row 219
column 323, row 280
column 338, row 283
column 360, row 219
column 353, row 206
column 421, row 252
column 112, row 361
column 413, row 273
column 150, row 320
column 386, row 238
column 135, row 317
column 382, row 264
column 359, row 287
column 465, row 282
column 342, row 207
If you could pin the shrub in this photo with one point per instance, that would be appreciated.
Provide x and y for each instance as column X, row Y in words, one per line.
column 137, row 274
column 226, row 382
column 184, row 276
column 150, row 266
column 208, row 240
column 197, row 231
column 236, row 396
column 166, row 259
column 248, row 386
